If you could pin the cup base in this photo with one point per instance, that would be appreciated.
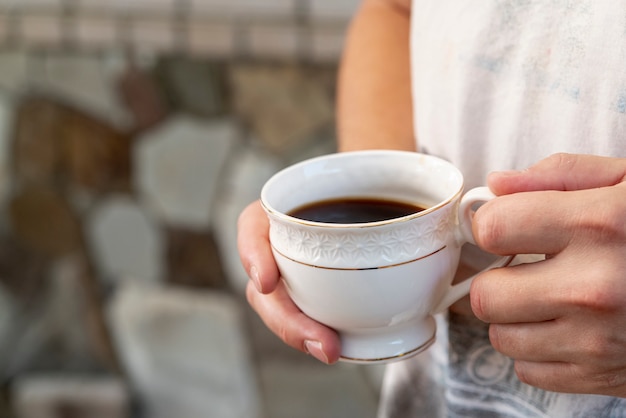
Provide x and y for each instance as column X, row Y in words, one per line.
column 389, row 344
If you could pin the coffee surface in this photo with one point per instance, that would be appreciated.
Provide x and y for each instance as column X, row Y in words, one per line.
column 354, row 210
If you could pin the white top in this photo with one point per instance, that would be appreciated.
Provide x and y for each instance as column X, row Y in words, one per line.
column 500, row 85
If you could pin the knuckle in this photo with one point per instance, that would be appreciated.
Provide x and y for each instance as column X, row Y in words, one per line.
column 605, row 223
column 602, row 349
column 600, row 380
column 562, row 160
column 609, row 381
column 601, row 218
column 601, row 293
column 595, row 348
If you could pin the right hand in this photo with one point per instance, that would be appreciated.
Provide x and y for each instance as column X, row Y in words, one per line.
column 268, row 296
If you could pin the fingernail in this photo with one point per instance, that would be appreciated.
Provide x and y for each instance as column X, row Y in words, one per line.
column 254, row 275
column 315, row 349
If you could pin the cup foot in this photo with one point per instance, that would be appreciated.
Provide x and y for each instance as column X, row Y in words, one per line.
column 388, row 344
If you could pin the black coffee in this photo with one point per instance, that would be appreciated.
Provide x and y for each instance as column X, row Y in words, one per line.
column 354, row 210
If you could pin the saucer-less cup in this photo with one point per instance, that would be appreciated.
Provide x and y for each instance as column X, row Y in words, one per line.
column 377, row 284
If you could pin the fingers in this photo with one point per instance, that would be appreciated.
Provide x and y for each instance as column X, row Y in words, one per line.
column 559, row 340
column 561, row 319
column 561, row 172
column 571, row 378
column 296, row 329
column 527, row 223
column 554, row 288
column 267, row 294
column 547, row 222
column 527, row 341
column 525, row 293
column 254, row 248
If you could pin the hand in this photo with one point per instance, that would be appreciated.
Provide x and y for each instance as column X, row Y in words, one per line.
column 563, row 320
column 267, row 295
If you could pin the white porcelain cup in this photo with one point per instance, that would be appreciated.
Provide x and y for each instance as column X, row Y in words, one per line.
column 377, row 284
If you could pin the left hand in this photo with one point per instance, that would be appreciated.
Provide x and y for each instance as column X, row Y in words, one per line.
column 563, row 320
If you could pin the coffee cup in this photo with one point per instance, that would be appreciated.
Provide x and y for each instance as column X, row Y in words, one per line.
column 368, row 243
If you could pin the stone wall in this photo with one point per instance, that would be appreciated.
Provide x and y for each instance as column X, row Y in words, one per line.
column 132, row 134
column 306, row 29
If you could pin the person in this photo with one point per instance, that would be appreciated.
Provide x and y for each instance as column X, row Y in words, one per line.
column 530, row 98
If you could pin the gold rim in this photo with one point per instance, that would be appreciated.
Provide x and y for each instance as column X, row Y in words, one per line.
column 287, row 218
column 363, row 268
column 390, row 358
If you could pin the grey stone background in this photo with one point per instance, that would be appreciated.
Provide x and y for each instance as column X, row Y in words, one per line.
column 132, row 133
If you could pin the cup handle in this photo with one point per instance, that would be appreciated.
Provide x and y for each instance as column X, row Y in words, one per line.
column 466, row 214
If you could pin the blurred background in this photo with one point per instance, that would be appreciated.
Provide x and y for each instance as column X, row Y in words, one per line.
column 132, row 133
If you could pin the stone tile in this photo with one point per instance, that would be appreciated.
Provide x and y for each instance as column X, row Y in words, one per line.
column 93, row 6
column 242, row 8
column 9, row 317
column 205, row 38
column 81, row 80
column 327, row 43
column 16, row 65
column 44, row 222
column 37, row 153
column 125, row 7
column 125, row 242
column 342, row 10
column 55, row 143
column 186, row 352
column 7, row 25
column 7, row 115
column 65, row 395
column 96, row 31
column 76, row 297
column 283, row 104
column 153, row 35
column 22, row 291
column 193, row 85
column 178, row 168
column 40, row 338
column 308, row 390
column 273, row 41
column 96, row 156
column 48, row 5
column 22, row 273
column 322, row 141
column 241, row 184
column 296, row 385
column 193, row 259
column 40, row 31
column 139, row 6
column 143, row 97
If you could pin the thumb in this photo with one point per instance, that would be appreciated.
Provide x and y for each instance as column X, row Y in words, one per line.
column 561, row 172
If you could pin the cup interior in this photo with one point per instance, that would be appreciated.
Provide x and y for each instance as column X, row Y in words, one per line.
column 384, row 174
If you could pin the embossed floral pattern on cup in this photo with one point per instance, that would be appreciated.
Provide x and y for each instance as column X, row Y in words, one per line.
column 364, row 247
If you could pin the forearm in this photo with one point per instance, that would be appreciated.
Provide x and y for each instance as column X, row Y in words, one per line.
column 374, row 92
